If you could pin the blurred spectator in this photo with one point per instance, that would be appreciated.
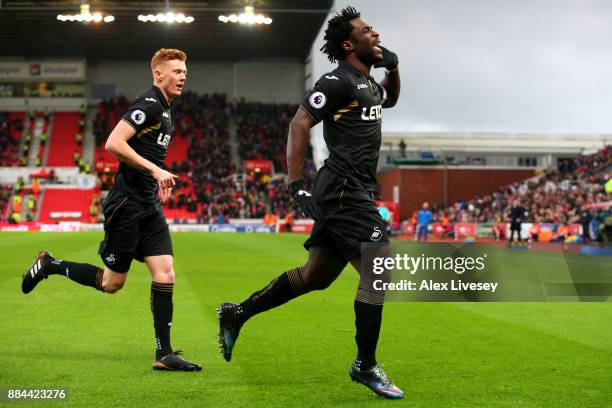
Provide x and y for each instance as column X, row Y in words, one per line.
column 36, row 186
column 5, row 194
column 517, row 217
column 19, row 185
column 447, row 226
column 15, row 218
column 561, row 232
column 424, row 218
column 402, row 148
column 17, row 204
column 31, row 203
column 534, row 232
column 585, row 220
column 289, row 221
column 605, row 230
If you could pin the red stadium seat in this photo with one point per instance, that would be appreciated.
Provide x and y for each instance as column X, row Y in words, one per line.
column 63, row 204
column 177, row 151
column 63, row 141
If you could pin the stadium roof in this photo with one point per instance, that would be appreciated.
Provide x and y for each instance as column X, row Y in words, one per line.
column 29, row 28
column 513, row 143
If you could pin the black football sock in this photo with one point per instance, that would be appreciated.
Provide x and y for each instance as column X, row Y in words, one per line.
column 161, row 306
column 368, row 319
column 85, row 274
column 287, row 286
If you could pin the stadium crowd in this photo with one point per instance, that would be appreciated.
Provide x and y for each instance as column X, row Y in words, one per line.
column 559, row 196
column 108, row 114
column 262, row 131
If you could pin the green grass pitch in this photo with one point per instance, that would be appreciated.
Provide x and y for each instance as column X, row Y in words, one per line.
column 100, row 346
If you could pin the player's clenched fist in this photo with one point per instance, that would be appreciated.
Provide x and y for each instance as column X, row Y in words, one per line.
column 306, row 201
column 389, row 60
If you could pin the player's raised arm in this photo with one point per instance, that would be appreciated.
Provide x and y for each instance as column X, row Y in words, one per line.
column 391, row 81
column 117, row 144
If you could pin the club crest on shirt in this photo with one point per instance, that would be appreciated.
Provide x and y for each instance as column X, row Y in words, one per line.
column 317, row 100
column 138, row 117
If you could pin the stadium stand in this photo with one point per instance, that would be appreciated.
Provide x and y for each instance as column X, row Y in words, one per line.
column 36, row 139
column 11, row 132
column 262, row 131
column 108, row 114
column 208, row 164
column 215, row 187
column 222, row 190
column 63, row 144
column 560, row 196
column 66, row 204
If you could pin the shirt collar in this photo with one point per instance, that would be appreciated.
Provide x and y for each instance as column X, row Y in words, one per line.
column 350, row 67
column 161, row 97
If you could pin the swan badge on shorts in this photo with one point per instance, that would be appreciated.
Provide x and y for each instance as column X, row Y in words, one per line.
column 138, row 117
column 317, row 100
column 376, row 234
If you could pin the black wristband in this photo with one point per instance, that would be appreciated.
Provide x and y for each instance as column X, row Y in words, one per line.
column 296, row 186
column 389, row 71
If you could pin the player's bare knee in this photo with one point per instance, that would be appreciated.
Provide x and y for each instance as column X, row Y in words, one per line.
column 161, row 268
column 112, row 282
column 168, row 275
column 164, row 275
column 112, row 287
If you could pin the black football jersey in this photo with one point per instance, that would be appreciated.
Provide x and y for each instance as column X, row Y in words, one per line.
column 350, row 105
column 150, row 117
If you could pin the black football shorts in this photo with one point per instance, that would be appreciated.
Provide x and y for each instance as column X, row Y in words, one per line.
column 349, row 216
column 132, row 230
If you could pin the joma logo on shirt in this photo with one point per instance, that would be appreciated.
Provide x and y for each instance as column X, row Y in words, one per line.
column 375, row 112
